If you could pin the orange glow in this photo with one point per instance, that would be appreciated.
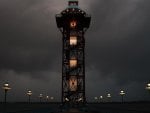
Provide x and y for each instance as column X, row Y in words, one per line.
column 73, row 24
column 73, row 83
column 73, row 63
column 73, row 40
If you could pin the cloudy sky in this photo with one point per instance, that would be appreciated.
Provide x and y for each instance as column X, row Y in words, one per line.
column 117, row 48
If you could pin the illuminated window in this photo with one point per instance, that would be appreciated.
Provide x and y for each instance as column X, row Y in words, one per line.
column 73, row 40
column 73, row 24
column 73, row 63
column 73, row 83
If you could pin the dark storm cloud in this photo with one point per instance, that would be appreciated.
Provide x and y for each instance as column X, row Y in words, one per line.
column 117, row 47
column 121, row 34
column 27, row 38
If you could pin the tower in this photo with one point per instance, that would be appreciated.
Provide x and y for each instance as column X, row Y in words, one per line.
column 73, row 23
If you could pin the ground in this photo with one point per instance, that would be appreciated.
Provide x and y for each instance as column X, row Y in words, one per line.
column 115, row 107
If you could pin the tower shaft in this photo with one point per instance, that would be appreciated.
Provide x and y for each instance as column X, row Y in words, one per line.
column 73, row 22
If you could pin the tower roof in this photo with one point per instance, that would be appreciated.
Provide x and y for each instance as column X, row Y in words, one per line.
column 73, row 4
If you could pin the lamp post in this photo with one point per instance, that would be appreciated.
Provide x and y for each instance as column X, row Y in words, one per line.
column 47, row 98
column 101, row 98
column 6, row 87
column 52, row 98
column 122, row 93
column 41, row 96
column 29, row 93
column 96, row 99
column 148, row 87
column 109, row 97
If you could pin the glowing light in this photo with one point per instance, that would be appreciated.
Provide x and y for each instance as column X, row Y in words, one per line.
column 108, row 95
column 41, row 95
column 95, row 98
column 66, row 99
column 148, row 86
column 73, row 83
column 6, row 87
column 73, row 40
column 122, row 92
column 52, row 98
column 101, row 97
column 73, row 24
column 80, row 99
column 29, row 93
column 47, row 97
column 73, row 63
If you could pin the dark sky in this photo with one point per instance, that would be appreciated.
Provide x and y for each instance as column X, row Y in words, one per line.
column 117, row 48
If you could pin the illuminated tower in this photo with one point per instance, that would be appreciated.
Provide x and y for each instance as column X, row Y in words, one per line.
column 73, row 22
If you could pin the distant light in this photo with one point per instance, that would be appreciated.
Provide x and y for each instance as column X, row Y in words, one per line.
column 122, row 92
column 80, row 99
column 66, row 99
column 41, row 95
column 148, row 86
column 101, row 97
column 95, row 98
column 52, row 98
column 6, row 87
column 108, row 95
column 29, row 92
column 47, row 97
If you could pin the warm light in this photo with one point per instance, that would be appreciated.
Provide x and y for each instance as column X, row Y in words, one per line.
column 73, row 83
column 73, row 40
column 73, row 24
column 73, row 63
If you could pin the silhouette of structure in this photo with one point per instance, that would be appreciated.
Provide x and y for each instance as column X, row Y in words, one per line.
column 73, row 22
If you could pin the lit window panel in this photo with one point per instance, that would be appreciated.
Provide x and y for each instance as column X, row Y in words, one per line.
column 73, row 24
column 73, row 40
column 73, row 83
column 73, row 63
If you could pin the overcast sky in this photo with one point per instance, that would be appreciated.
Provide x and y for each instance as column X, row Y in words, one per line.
column 117, row 48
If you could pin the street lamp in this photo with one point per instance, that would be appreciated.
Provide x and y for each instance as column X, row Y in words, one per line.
column 109, row 97
column 47, row 98
column 148, row 87
column 41, row 96
column 122, row 93
column 6, row 87
column 101, row 98
column 29, row 93
column 52, row 98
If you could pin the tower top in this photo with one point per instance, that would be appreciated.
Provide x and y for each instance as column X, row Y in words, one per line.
column 73, row 3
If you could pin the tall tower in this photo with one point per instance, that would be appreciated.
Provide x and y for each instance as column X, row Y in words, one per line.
column 73, row 22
